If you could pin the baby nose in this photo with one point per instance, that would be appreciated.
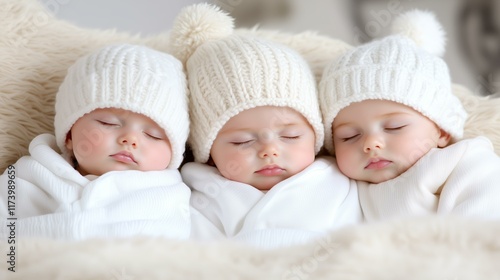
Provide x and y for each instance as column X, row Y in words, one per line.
column 373, row 142
column 269, row 148
column 268, row 151
column 128, row 138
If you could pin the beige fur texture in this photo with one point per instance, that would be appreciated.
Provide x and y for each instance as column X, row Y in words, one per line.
column 430, row 249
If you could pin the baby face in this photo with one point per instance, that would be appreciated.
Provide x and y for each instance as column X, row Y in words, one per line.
column 377, row 140
column 114, row 139
column 263, row 146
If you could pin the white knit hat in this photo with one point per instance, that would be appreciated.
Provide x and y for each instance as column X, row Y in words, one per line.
column 228, row 74
column 405, row 68
column 129, row 77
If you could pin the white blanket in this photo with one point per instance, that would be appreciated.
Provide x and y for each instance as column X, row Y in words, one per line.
column 462, row 179
column 296, row 210
column 53, row 200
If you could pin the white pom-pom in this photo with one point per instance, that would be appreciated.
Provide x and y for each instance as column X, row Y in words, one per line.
column 195, row 25
column 423, row 28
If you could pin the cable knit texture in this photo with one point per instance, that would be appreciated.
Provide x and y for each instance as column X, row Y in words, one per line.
column 235, row 73
column 129, row 77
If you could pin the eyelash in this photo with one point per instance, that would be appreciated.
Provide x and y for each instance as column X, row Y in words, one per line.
column 291, row 137
column 389, row 129
column 241, row 143
column 348, row 138
column 395, row 128
column 147, row 134
column 153, row 137
column 247, row 142
column 106, row 123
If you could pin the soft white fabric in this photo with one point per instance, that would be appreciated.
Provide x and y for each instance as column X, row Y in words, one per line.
column 296, row 210
column 232, row 73
column 462, row 179
column 130, row 77
column 53, row 200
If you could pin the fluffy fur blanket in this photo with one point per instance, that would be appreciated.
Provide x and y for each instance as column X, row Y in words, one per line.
column 35, row 51
column 430, row 249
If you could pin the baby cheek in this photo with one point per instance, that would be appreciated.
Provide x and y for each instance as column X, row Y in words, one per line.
column 84, row 149
column 230, row 163
column 231, row 169
column 157, row 163
column 160, row 158
column 305, row 155
column 345, row 159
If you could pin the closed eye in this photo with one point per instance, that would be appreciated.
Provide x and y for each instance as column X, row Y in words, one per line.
column 105, row 123
column 239, row 143
column 395, row 128
column 291, row 137
column 153, row 137
column 349, row 138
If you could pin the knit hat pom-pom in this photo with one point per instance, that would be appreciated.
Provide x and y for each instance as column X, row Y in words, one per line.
column 197, row 24
column 423, row 28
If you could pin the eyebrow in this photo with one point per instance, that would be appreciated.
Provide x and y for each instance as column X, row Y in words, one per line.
column 381, row 116
column 245, row 129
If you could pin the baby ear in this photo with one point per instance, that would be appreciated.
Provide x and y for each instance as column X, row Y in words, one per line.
column 444, row 139
column 68, row 143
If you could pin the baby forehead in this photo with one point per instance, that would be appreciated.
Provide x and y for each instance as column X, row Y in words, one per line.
column 120, row 114
column 372, row 107
column 265, row 117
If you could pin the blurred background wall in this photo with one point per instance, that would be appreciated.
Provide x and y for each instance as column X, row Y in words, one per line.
column 472, row 26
